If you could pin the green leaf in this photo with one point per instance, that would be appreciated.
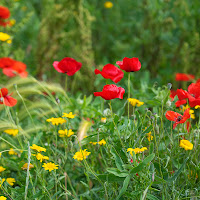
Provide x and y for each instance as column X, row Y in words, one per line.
column 117, row 172
column 151, row 197
column 143, row 164
column 176, row 174
column 118, row 161
column 125, row 185
column 145, row 193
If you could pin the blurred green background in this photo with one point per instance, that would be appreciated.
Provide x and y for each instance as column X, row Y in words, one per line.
column 163, row 34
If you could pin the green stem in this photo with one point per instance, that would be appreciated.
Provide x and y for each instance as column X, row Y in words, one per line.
column 129, row 89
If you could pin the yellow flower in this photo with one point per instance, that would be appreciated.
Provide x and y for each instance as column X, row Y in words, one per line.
column 185, row 107
column 136, row 150
column 186, row 145
column 4, row 36
column 50, row 166
column 103, row 119
column 82, row 154
column 149, row 136
column 0, row 155
column 135, row 102
column 196, row 107
column 56, row 121
column 2, row 198
column 12, row 22
column 192, row 115
column 1, row 182
column 102, row 142
column 25, row 166
column 10, row 181
column 40, row 157
column 108, row 4
column 94, row 143
column 37, row 148
column 12, row 152
column 68, row 115
column 2, row 169
column 12, row 132
column 9, row 41
column 63, row 133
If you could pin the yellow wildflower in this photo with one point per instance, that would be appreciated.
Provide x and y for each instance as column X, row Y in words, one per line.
column 37, row 148
column 69, row 115
column 63, row 133
column 2, row 169
column 149, row 136
column 108, row 4
column 4, row 37
column 50, row 166
column 94, row 143
column 135, row 102
column 10, row 181
column 196, row 107
column 103, row 119
column 82, row 154
column 12, row 132
column 102, row 142
column 2, row 198
column 40, row 157
column 25, row 166
column 56, row 121
column 1, row 182
column 9, row 41
column 186, row 145
column 185, row 107
column 12, row 22
column 192, row 115
column 12, row 152
column 136, row 150
column 0, row 155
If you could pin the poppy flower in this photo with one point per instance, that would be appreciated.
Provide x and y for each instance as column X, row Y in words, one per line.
column 194, row 89
column 182, row 94
column 184, row 77
column 109, row 71
column 129, row 64
column 172, row 94
column 18, row 68
column 193, row 101
column 177, row 118
column 111, row 92
column 4, row 12
column 68, row 66
column 6, row 62
column 180, row 102
column 6, row 99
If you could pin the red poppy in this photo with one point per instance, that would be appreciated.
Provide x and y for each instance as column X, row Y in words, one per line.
column 172, row 94
column 111, row 92
column 109, row 71
column 68, row 66
column 182, row 94
column 6, row 62
column 184, row 77
column 18, row 68
column 6, row 99
column 194, row 89
column 129, row 64
column 180, row 102
column 193, row 101
column 4, row 12
column 177, row 118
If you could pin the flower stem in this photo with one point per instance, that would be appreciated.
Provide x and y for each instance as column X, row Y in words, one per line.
column 129, row 89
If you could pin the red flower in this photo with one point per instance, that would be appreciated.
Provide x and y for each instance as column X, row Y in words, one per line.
column 194, row 89
column 17, row 68
column 129, row 64
column 182, row 94
column 109, row 71
column 6, row 62
column 180, row 102
column 172, row 94
column 184, row 77
column 68, row 66
column 6, row 99
column 111, row 92
column 4, row 12
column 177, row 118
column 193, row 101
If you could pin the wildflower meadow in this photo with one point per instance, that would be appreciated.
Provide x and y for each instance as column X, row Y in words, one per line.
column 99, row 100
